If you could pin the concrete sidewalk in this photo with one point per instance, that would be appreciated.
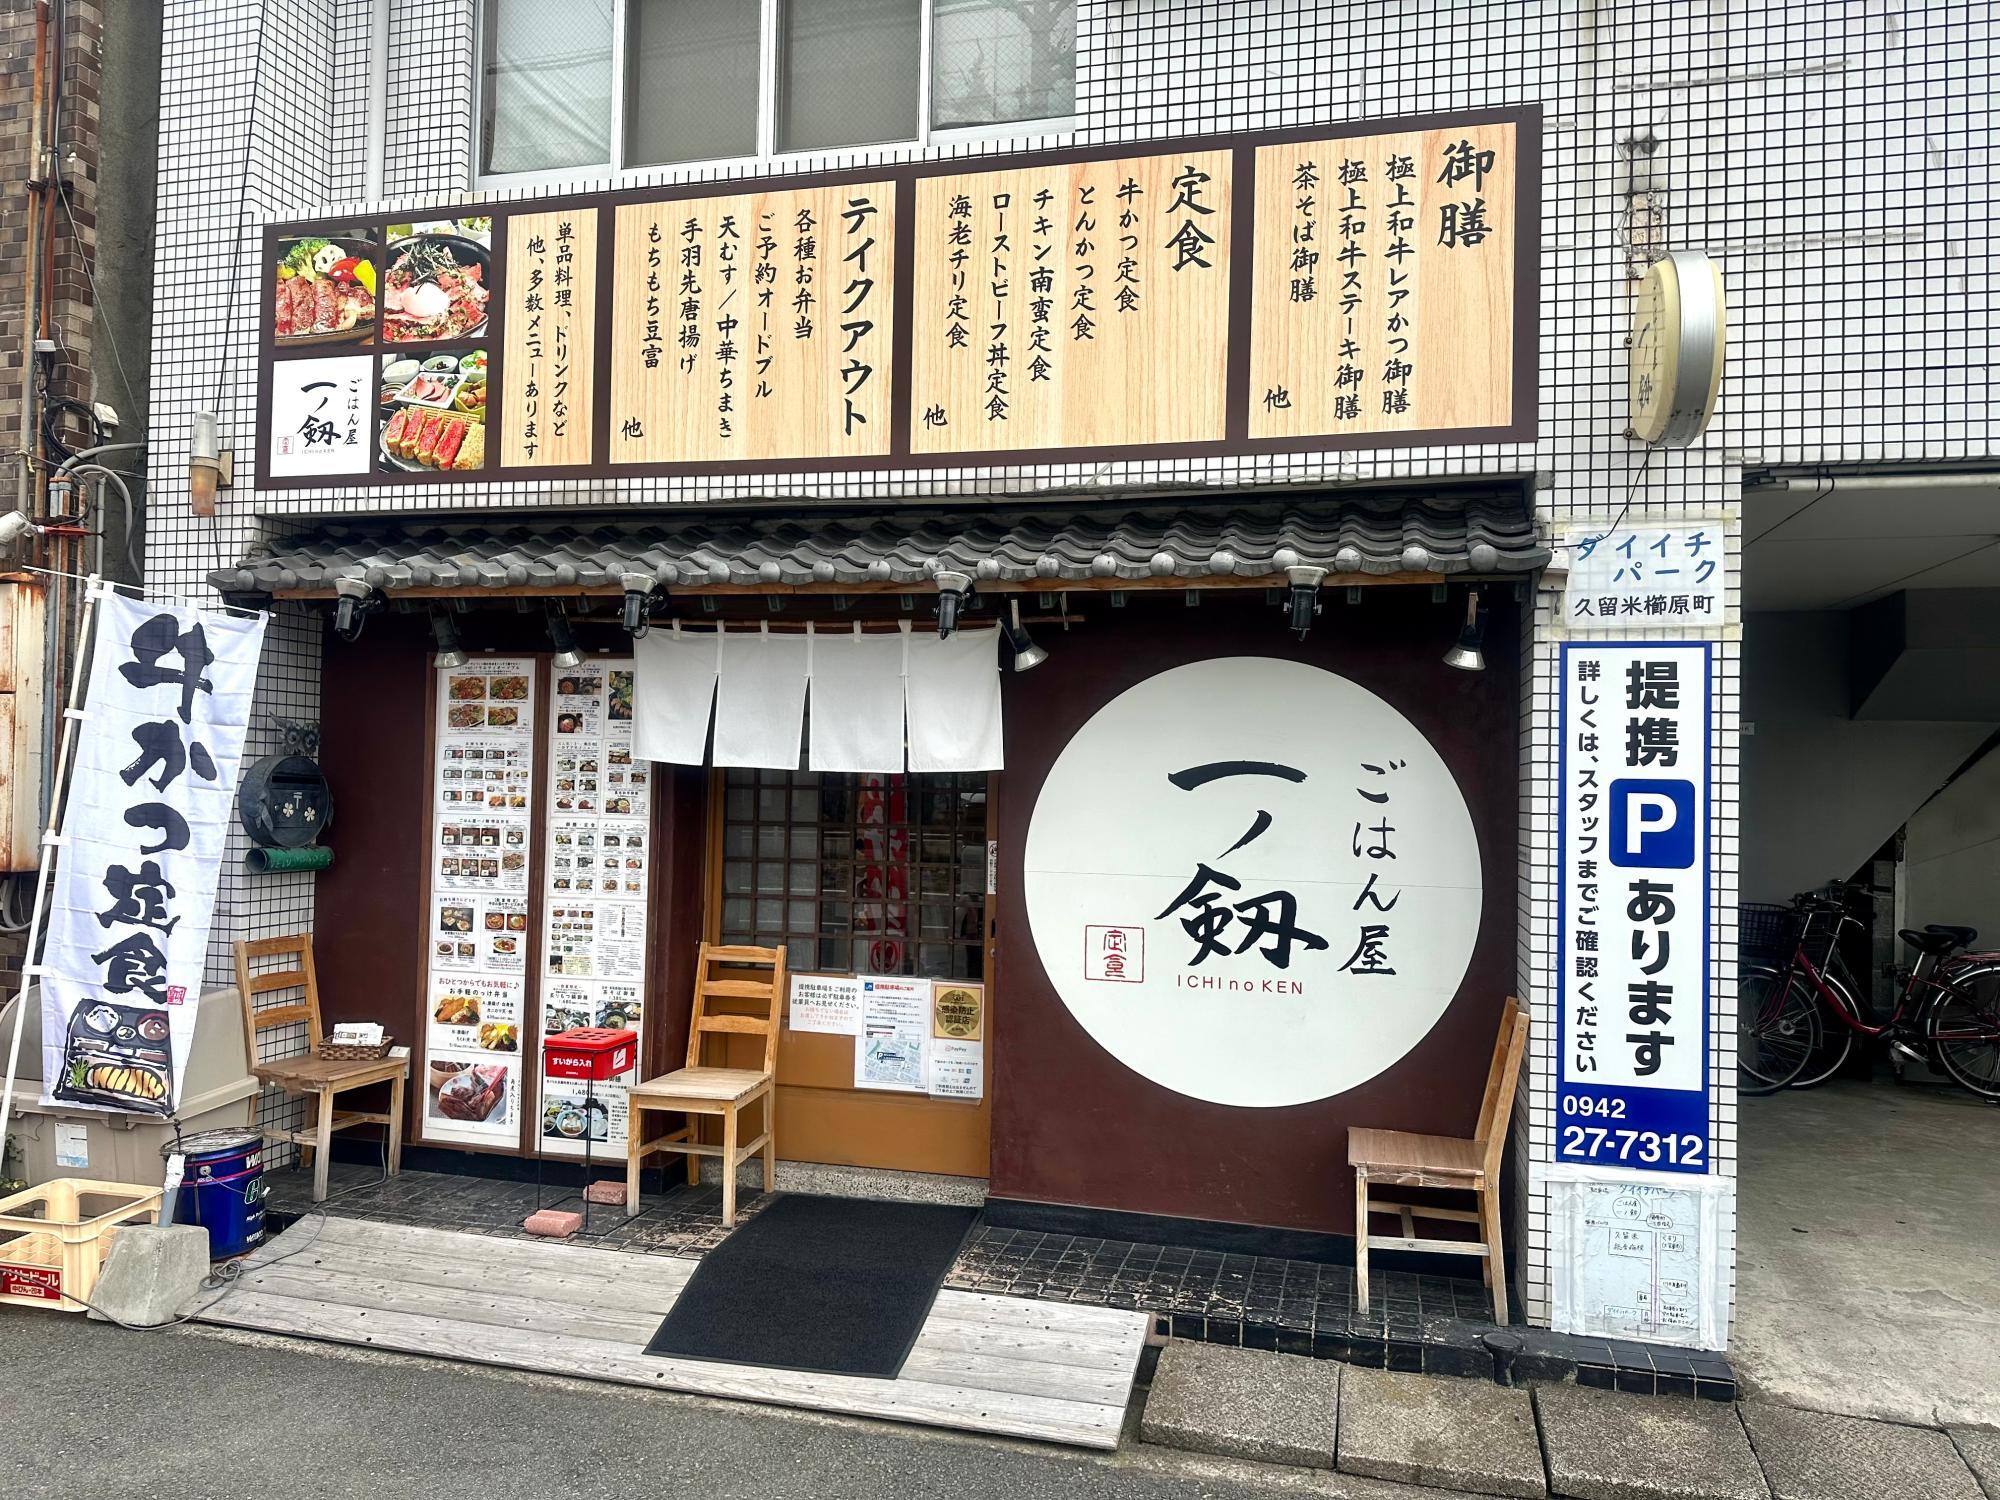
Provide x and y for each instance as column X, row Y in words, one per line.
column 1554, row 1440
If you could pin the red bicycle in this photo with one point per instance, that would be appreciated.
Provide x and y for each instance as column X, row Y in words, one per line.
column 1797, row 1021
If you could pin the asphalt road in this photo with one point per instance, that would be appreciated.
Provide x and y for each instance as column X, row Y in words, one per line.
column 99, row 1413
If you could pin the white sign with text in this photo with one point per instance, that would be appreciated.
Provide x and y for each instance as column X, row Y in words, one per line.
column 1253, row 881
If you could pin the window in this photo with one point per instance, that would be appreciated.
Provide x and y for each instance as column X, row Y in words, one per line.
column 857, row 874
column 545, row 86
column 608, row 85
column 999, row 60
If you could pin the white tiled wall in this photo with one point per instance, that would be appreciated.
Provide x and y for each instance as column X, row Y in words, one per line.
column 1834, row 155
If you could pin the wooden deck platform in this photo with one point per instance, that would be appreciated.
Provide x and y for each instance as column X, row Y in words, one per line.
column 1006, row 1365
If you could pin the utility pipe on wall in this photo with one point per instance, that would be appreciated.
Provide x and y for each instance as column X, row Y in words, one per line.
column 24, row 498
column 378, row 100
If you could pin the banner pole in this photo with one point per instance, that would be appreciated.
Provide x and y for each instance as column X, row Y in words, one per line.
column 58, row 802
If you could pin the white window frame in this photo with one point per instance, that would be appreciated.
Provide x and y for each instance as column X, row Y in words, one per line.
column 1034, row 134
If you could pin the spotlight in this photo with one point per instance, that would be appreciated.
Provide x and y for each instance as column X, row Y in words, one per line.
column 356, row 603
column 1465, row 654
column 638, row 603
column 952, row 589
column 1303, row 603
column 567, row 655
column 444, row 630
column 1027, row 655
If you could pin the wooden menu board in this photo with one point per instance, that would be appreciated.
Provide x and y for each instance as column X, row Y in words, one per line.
column 1384, row 273
column 548, row 365
column 756, row 326
column 1357, row 286
column 1068, row 305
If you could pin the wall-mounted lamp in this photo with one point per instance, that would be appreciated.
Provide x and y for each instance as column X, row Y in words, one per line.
column 952, row 589
column 355, row 602
column 444, row 630
column 1027, row 655
column 209, row 468
column 1303, row 602
column 567, row 655
column 1465, row 653
column 639, row 594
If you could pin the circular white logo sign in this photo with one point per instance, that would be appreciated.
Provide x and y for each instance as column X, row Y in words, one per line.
column 1252, row 881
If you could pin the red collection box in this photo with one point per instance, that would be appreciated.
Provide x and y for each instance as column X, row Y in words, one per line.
column 589, row 1053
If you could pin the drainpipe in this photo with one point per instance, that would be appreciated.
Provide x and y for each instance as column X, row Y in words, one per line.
column 378, row 101
column 32, row 263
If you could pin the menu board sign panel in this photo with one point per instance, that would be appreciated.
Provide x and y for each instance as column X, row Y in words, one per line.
column 1055, row 304
column 1381, row 261
column 549, row 365
column 1333, row 287
column 476, row 991
column 754, row 326
column 600, row 804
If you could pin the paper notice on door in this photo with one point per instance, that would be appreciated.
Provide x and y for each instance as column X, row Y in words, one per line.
column 895, row 1036
column 826, row 1002
column 957, row 1068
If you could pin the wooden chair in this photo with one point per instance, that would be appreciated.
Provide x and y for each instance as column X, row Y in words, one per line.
column 312, row 1076
column 696, row 1091
column 1403, row 1159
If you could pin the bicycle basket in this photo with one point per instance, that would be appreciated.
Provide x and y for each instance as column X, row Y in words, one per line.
column 1765, row 930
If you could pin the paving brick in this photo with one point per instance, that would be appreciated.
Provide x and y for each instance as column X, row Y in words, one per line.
column 1602, row 1445
column 1809, row 1455
column 1980, row 1448
column 1446, row 1433
column 1244, row 1403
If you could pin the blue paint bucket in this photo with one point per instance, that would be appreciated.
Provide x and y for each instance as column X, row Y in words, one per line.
column 222, row 1188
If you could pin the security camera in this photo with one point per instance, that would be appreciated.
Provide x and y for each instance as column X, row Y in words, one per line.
column 15, row 527
column 356, row 601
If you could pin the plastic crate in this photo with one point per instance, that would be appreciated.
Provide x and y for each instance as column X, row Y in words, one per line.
column 1765, row 930
column 51, row 1251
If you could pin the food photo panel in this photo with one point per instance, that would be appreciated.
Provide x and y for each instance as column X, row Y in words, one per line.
column 432, row 413
column 323, row 289
column 437, row 280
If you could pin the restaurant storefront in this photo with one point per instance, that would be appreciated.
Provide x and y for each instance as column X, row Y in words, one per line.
column 1146, row 982
column 1019, row 574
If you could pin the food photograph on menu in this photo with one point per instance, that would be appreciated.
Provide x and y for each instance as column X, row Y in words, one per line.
column 437, row 281
column 433, row 413
column 323, row 290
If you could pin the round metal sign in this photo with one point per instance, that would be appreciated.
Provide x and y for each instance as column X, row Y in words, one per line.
column 1679, row 327
column 1252, row 881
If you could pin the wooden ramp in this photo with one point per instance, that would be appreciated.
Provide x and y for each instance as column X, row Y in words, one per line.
column 1046, row 1370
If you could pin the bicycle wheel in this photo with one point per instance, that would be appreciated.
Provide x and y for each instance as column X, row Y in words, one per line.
column 1777, row 1028
column 1963, row 1028
column 1836, row 1038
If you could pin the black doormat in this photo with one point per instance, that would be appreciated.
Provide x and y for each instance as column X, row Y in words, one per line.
column 837, row 1286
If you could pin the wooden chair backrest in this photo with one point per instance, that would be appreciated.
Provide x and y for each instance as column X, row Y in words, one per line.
column 299, row 975
column 726, row 973
column 1496, row 1106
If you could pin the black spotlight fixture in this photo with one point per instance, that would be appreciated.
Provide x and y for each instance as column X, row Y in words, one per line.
column 354, row 603
column 1303, row 602
column 567, row 655
column 444, row 630
column 1465, row 653
column 638, row 603
column 1027, row 655
column 952, row 590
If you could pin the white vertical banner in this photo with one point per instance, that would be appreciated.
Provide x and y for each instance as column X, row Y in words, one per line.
column 148, row 812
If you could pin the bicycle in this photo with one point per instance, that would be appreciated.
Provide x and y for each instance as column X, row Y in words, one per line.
column 1951, row 1008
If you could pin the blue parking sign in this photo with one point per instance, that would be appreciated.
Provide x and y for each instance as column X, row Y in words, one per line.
column 1652, row 823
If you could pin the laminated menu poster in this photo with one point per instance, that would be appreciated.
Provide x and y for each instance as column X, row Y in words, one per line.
column 475, row 1021
column 595, row 883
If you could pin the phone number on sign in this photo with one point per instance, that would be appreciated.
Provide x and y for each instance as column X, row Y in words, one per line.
column 1596, row 1143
